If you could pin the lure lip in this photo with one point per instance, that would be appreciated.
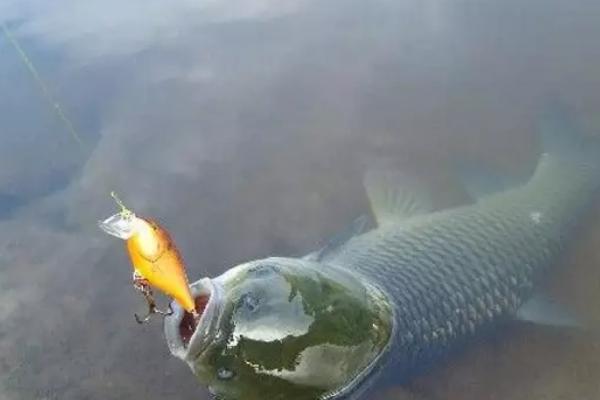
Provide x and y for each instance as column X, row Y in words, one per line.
column 121, row 225
column 207, row 328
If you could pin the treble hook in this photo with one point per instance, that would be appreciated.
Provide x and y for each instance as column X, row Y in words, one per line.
column 144, row 288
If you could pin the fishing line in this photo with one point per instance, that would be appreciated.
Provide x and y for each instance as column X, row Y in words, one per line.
column 125, row 213
column 55, row 105
column 46, row 93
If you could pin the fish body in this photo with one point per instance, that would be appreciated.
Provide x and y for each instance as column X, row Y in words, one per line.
column 453, row 273
column 395, row 299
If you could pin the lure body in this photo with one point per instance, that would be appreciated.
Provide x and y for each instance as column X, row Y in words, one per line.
column 156, row 259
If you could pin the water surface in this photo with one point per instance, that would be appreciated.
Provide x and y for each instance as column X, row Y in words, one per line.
column 245, row 127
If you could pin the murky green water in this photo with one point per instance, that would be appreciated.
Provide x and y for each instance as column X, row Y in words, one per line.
column 245, row 127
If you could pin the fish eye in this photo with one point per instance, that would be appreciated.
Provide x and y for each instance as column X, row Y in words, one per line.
column 224, row 374
column 249, row 302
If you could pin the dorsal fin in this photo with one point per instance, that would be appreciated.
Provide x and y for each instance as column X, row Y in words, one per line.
column 359, row 226
column 395, row 196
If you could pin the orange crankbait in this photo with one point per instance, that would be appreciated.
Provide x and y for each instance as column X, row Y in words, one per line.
column 155, row 259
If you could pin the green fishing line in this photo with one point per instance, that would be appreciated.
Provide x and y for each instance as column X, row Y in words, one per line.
column 43, row 87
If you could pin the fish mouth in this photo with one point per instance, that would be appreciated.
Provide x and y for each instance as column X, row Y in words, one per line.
column 188, row 337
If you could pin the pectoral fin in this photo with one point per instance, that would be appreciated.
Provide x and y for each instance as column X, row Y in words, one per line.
column 541, row 310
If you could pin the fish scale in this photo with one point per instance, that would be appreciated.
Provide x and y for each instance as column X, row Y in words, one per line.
column 453, row 273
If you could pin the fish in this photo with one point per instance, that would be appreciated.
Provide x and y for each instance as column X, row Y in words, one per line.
column 385, row 303
column 155, row 259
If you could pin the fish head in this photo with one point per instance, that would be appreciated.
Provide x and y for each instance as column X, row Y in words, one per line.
column 282, row 328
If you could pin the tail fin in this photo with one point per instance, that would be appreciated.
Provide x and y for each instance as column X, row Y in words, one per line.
column 563, row 138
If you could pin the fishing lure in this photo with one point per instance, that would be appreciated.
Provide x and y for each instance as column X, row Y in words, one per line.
column 155, row 259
